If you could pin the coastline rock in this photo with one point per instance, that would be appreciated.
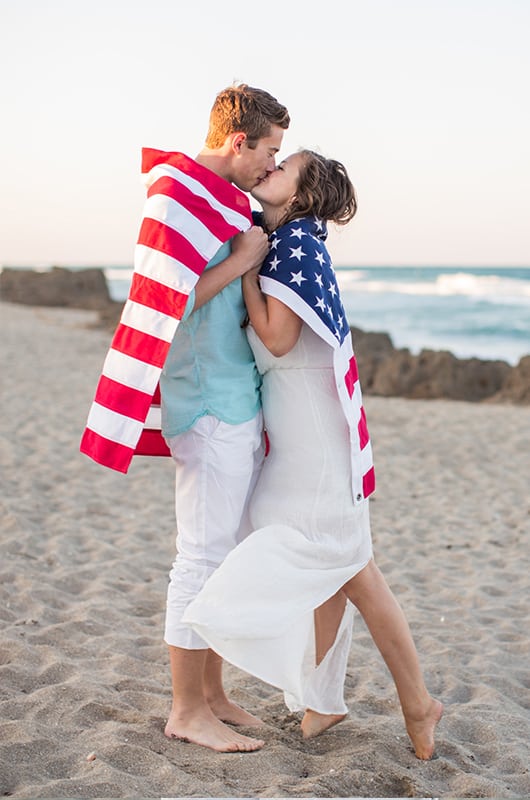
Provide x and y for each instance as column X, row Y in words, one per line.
column 391, row 372
column 371, row 350
column 384, row 370
column 85, row 288
column 110, row 315
column 516, row 387
column 434, row 374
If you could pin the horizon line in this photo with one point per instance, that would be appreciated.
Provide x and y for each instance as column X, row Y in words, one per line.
column 349, row 265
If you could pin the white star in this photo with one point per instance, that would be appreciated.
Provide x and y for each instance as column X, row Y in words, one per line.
column 297, row 277
column 332, row 289
column 320, row 304
column 320, row 258
column 318, row 279
column 298, row 232
column 275, row 242
column 318, row 223
column 330, row 312
column 339, row 321
column 273, row 266
column 297, row 253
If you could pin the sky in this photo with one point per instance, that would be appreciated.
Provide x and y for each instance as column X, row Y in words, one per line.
column 424, row 101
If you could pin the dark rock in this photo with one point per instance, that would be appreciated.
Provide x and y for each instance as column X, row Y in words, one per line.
column 110, row 315
column 516, row 387
column 86, row 288
column 389, row 372
column 439, row 374
column 371, row 348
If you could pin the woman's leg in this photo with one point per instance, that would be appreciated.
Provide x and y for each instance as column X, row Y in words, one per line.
column 328, row 617
column 370, row 593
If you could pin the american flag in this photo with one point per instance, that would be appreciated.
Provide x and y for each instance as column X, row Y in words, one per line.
column 189, row 213
column 298, row 271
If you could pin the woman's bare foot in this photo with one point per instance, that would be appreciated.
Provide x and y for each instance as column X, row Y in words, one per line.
column 314, row 723
column 230, row 712
column 421, row 731
column 205, row 729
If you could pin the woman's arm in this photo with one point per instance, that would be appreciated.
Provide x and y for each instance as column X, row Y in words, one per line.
column 276, row 325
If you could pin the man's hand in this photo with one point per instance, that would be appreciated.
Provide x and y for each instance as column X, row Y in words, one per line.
column 250, row 248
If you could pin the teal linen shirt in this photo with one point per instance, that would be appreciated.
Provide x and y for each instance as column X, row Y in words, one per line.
column 210, row 368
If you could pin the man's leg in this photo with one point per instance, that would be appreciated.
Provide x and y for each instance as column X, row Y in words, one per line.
column 191, row 717
column 214, row 465
column 223, row 708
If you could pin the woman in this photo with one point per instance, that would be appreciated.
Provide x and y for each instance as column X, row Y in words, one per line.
column 281, row 604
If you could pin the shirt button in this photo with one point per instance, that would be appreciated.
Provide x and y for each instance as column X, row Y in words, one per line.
column 359, row 497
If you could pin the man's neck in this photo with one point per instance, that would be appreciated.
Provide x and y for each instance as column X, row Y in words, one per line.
column 216, row 161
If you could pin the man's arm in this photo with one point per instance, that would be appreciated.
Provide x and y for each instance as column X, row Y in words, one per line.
column 248, row 252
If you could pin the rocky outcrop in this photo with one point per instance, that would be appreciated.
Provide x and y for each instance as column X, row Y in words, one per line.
column 392, row 372
column 85, row 288
column 516, row 387
column 110, row 315
column 384, row 370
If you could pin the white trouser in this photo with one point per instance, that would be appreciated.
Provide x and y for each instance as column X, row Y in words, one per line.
column 217, row 466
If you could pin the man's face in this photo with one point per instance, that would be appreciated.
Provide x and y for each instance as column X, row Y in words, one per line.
column 252, row 166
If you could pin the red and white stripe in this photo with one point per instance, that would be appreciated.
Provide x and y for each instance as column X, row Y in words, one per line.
column 349, row 389
column 189, row 213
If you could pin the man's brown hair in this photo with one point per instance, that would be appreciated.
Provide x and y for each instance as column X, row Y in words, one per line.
column 243, row 108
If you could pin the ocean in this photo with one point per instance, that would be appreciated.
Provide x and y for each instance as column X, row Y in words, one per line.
column 481, row 312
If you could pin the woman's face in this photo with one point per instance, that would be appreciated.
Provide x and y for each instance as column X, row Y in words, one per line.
column 278, row 189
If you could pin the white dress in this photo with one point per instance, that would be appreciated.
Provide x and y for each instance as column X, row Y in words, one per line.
column 309, row 538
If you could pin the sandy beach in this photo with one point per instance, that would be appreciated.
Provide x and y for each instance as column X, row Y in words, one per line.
column 85, row 553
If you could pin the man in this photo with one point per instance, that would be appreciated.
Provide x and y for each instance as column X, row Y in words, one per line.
column 186, row 332
column 211, row 419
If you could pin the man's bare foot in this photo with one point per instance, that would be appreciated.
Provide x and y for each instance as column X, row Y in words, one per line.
column 205, row 729
column 421, row 731
column 230, row 712
column 314, row 723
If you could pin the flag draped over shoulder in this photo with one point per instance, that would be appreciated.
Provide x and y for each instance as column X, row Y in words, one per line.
column 298, row 271
column 189, row 213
